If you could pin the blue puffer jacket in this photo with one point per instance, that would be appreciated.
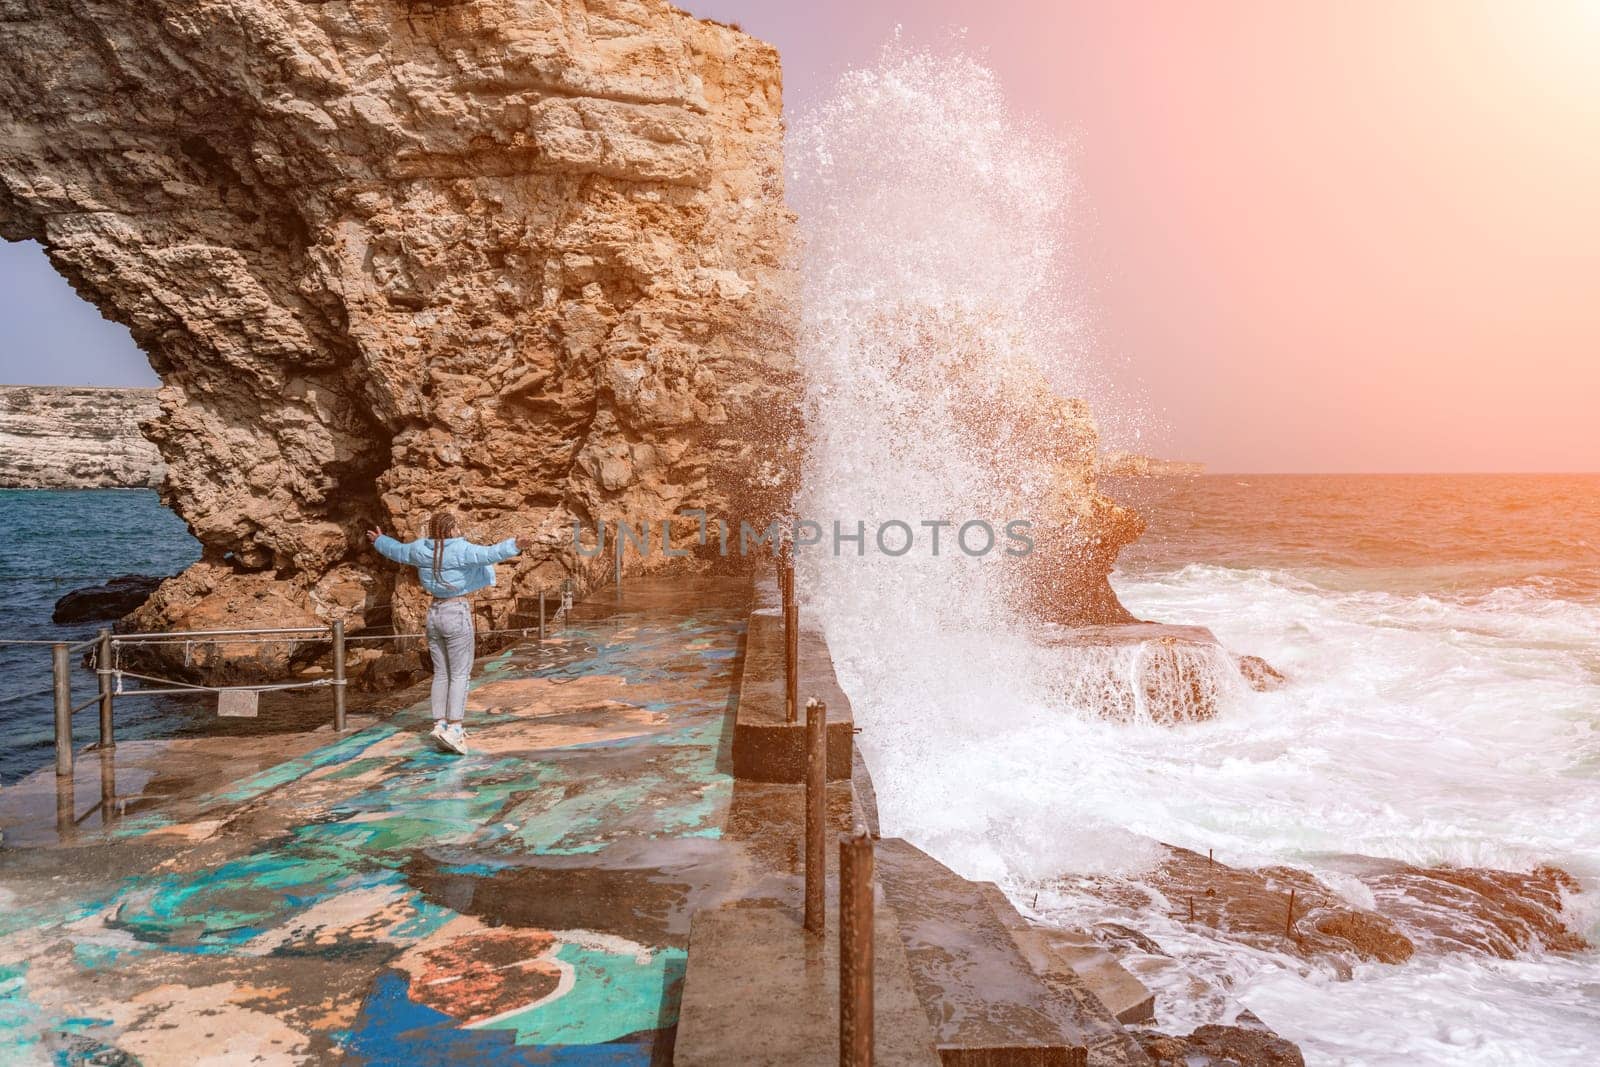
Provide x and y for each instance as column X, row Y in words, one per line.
column 467, row 567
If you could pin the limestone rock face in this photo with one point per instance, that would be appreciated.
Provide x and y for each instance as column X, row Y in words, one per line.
column 68, row 438
column 521, row 258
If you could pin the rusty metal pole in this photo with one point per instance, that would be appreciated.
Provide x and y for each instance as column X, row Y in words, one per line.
column 108, row 786
column 102, row 667
column 786, row 574
column 61, row 679
column 855, row 949
column 816, row 817
column 541, row 613
column 338, row 675
column 791, row 634
column 66, row 807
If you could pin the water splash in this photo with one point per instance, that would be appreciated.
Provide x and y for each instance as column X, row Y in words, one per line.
column 932, row 220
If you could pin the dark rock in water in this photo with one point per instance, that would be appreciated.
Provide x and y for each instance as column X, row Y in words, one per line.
column 1221, row 1046
column 116, row 598
column 1260, row 675
column 395, row 670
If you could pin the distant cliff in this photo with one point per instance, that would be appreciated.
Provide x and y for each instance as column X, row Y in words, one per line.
column 1132, row 465
column 70, row 438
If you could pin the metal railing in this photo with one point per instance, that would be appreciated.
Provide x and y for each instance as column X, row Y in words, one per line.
column 856, row 850
column 110, row 673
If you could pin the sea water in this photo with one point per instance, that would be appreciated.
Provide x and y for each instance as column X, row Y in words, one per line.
column 1441, row 636
column 52, row 542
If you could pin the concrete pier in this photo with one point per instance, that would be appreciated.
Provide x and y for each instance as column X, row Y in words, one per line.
column 372, row 900
column 365, row 899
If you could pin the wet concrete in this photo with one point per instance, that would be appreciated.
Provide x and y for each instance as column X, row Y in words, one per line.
column 371, row 900
column 767, row 747
column 985, row 1000
column 760, row 957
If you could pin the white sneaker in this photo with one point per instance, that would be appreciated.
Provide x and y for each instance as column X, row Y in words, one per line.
column 454, row 738
column 437, row 734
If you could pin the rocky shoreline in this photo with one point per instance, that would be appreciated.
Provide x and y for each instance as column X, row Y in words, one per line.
column 71, row 437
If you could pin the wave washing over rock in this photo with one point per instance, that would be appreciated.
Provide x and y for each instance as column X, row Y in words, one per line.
column 61, row 437
column 1015, row 747
column 525, row 260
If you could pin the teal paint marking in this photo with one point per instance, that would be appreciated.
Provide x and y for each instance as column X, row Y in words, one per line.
column 291, row 770
column 215, row 911
column 500, row 663
column 19, row 1018
column 137, row 825
column 91, row 956
column 484, row 812
column 357, row 767
column 613, row 995
column 427, row 919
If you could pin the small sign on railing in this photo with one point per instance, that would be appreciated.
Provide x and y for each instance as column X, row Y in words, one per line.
column 238, row 703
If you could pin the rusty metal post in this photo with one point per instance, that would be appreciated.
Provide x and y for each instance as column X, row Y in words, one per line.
column 816, row 816
column 61, row 679
column 786, row 575
column 66, row 807
column 108, row 786
column 791, row 662
column 855, row 949
column 338, row 675
column 102, row 667
column 541, row 613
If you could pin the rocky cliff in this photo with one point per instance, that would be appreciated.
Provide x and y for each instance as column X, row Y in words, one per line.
column 522, row 258
column 76, row 438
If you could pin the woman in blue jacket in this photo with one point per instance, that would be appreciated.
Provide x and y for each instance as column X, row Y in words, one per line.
column 452, row 569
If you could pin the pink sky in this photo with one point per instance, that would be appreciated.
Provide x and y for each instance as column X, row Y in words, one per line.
column 1344, row 236
column 1355, row 235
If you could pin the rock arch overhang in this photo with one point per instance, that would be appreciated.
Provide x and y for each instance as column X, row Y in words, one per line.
column 524, row 259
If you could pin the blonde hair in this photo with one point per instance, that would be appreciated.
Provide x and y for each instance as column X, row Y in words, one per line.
column 442, row 526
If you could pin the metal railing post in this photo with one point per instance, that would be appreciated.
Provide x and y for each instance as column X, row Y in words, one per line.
column 855, row 949
column 816, row 816
column 791, row 643
column 338, row 675
column 66, row 807
column 61, row 679
column 102, row 668
column 786, row 575
column 108, row 786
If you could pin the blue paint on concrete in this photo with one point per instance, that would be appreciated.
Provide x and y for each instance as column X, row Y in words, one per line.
column 392, row 1029
column 482, row 812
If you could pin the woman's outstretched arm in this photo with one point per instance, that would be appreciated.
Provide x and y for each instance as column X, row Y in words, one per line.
column 483, row 555
column 388, row 547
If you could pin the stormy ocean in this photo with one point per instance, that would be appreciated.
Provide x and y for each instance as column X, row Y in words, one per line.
column 1440, row 635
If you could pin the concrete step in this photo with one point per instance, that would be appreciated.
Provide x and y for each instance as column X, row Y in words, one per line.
column 766, row 747
column 1088, row 983
column 760, row 991
column 1075, row 953
column 987, row 1004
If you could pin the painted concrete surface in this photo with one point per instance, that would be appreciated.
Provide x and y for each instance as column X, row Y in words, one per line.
column 372, row 901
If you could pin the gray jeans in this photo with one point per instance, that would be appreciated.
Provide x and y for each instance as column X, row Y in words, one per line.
column 452, row 643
